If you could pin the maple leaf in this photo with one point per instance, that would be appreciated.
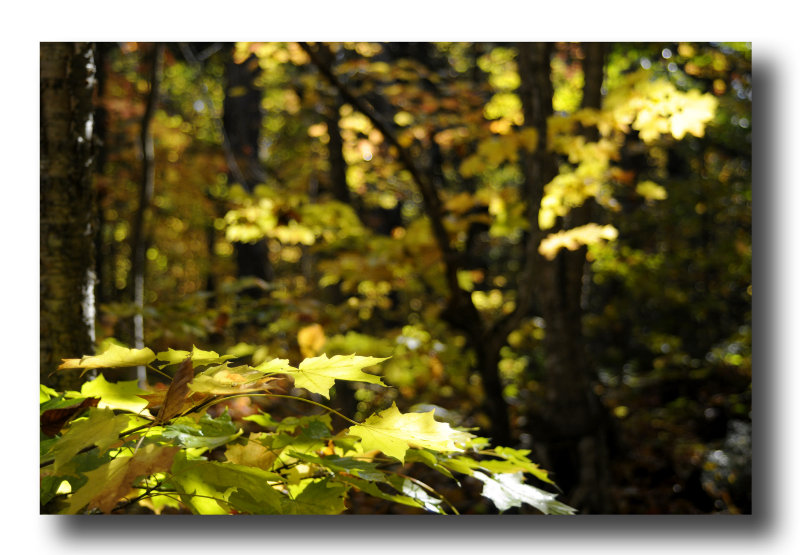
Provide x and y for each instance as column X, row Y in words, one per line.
column 393, row 433
column 101, row 428
column 55, row 415
column 198, row 356
column 252, row 453
column 508, row 490
column 123, row 395
column 177, row 392
column 210, row 487
column 112, row 481
column 204, row 432
column 318, row 374
column 113, row 357
column 315, row 497
column 222, row 380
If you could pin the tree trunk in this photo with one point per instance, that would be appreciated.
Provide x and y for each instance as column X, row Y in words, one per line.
column 141, row 227
column 241, row 121
column 66, row 248
column 572, row 425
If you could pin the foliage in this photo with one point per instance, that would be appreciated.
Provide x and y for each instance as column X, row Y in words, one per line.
column 189, row 460
column 663, row 167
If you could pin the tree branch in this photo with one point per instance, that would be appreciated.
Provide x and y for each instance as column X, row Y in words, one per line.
column 430, row 196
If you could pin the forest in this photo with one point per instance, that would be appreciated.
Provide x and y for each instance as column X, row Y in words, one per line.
column 395, row 278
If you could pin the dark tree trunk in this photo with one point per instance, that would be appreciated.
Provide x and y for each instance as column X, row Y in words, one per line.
column 572, row 425
column 241, row 121
column 66, row 247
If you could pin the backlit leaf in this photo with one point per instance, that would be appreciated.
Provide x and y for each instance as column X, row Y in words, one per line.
column 101, row 429
column 108, row 484
column 231, row 484
column 252, row 453
column 177, row 392
column 508, row 490
column 318, row 374
column 315, row 497
column 222, row 380
column 394, row 433
column 573, row 239
column 123, row 395
column 114, row 357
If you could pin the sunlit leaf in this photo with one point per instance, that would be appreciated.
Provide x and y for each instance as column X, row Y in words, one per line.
column 123, row 395
column 315, row 497
column 177, row 392
column 209, row 487
column 394, row 433
column 508, row 490
column 107, row 485
column 223, row 380
column 573, row 239
column 100, row 429
column 252, row 453
column 318, row 374
column 114, row 357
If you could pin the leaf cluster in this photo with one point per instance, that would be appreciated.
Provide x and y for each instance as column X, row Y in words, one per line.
column 108, row 453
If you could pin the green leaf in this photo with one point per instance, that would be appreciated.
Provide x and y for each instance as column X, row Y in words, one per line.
column 114, row 357
column 516, row 461
column 362, row 469
column 428, row 459
column 508, row 490
column 372, row 489
column 45, row 393
column 318, row 374
column 208, row 432
column 413, row 490
column 101, row 428
column 119, row 395
column 394, row 433
column 274, row 366
column 59, row 403
column 204, row 484
column 316, row 497
column 198, row 356
column 292, row 423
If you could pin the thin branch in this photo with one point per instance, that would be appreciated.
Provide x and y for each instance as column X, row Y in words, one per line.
column 430, row 196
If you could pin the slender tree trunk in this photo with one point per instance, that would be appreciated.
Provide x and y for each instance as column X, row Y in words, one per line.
column 66, row 247
column 573, row 423
column 141, row 227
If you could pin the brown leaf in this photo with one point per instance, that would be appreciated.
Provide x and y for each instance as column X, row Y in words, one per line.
column 177, row 392
column 252, row 453
column 150, row 460
column 53, row 420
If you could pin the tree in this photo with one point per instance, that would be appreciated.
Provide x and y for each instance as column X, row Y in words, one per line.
column 500, row 220
column 140, row 238
column 574, row 417
column 242, row 122
column 66, row 248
